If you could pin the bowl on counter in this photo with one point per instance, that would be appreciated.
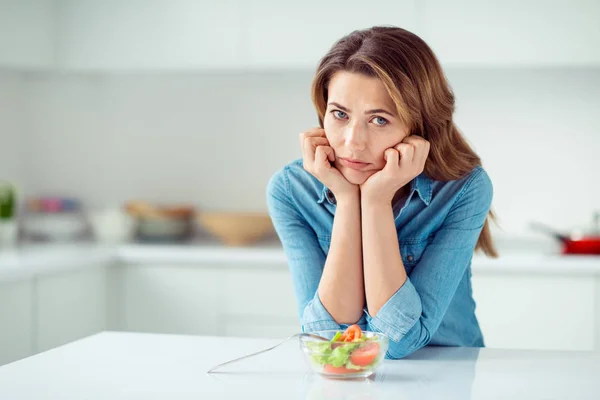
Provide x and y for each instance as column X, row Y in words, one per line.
column 112, row 225
column 236, row 228
column 344, row 360
column 161, row 223
column 53, row 219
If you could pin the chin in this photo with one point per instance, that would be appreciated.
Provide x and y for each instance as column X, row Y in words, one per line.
column 356, row 177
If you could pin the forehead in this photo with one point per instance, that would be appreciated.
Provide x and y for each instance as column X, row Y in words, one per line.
column 354, row 90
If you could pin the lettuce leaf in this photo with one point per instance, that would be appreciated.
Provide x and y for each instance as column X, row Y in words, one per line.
column 324, row 353
column 341, row 355
column 349, row 365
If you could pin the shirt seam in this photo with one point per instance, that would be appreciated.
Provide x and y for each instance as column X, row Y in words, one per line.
column 474, row 175
column 415, row 241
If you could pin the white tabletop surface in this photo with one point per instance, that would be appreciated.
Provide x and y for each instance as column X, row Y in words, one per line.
column 118, row 366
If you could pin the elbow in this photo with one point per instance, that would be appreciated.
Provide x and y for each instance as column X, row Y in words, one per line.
column 397, row 350
column 416, row 338
column 400, row 352
column 343, row 314
column 348, row 318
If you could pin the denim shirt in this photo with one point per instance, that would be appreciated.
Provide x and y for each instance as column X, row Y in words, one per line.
column 438, row 225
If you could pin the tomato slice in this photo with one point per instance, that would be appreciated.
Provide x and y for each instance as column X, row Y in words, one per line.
column 365, row 354
column 330, row 369
column 352, row 333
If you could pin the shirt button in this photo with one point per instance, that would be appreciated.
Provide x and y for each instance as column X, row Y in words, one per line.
column 410, row 257
column 330, row 196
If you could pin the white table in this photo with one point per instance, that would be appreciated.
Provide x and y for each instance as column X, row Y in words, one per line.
column 117, row 366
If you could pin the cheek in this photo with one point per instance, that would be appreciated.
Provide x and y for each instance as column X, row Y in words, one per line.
column 332, row 133
column 378, row 152
column 381, row 145
column 328, row 124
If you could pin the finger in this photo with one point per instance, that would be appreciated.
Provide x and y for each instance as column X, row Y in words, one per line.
column 330, row 152
column 421, row 146
column 413, row 139
column 425, row 152
column 313, row 132
column 322, row 155
column 418, row 142
column 407, row 152
column 310, row 146
column 391, row 157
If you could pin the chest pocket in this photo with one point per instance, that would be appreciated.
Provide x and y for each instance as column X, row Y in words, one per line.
column 411, row 252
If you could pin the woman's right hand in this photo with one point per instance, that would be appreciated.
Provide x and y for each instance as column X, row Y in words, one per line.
column 317, row 157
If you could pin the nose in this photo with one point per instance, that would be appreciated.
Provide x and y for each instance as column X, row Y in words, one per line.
column 355, row 137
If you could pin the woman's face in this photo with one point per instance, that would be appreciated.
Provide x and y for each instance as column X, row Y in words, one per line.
column 360, row 123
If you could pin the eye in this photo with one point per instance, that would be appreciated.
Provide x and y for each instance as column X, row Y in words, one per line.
column 384, row 123
column 338, row 116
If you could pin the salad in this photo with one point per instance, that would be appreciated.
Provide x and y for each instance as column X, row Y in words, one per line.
column 347, row 352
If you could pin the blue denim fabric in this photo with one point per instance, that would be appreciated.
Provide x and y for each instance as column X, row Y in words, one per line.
column 438, row 224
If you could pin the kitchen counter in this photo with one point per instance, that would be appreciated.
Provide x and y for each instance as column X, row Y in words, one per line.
column 32, row 260
column 117, row 366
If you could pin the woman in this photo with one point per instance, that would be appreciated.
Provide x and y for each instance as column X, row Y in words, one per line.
column 380, row 217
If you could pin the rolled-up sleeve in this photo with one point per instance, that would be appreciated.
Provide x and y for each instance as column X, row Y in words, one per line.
column 317, row 318
column 412, row 315
column 305, row 257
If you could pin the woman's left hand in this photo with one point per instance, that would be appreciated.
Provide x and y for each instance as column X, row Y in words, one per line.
column 404, row 162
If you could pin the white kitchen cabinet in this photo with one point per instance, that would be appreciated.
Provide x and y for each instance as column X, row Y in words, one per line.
column 259, row 327
column 27, row 39
column 513, row 32
column 170, row 299
column 280, row 34
column 134, row 35
column 16, row 320
column 258, row 292
column 155, row 35
column 149, row 35
column 521, row 311
column 229, row 34
column 258, row 303
column 69, row 306
column 204, row 300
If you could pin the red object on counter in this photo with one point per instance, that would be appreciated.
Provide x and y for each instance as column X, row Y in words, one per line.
column 585, row 245
column 574, row 243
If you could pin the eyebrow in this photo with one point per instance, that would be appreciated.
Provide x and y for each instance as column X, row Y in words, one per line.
column 374, row 111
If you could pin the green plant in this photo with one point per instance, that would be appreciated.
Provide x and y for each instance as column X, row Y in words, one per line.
column 7, row 201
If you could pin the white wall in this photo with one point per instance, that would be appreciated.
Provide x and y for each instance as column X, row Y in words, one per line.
column 27, row 33
column 12, row 127
column 537, row 132
column 214, row 139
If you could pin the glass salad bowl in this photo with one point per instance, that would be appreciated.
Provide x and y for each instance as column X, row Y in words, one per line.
column 349, row 354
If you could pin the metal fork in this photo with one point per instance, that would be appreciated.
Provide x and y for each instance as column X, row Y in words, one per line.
column 298, row 335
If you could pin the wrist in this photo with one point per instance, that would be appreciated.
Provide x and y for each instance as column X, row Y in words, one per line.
column 369, row 199
column 351, row 195
column 367, row 202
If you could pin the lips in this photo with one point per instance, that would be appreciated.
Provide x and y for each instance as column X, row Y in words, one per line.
column 354, row 164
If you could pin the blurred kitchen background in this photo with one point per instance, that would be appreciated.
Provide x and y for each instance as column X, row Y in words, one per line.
column 137, row 138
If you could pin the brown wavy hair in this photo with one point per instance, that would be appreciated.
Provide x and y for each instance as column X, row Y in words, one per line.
column 416, row 83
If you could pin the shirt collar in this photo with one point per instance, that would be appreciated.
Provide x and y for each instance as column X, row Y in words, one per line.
column 421, row 184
